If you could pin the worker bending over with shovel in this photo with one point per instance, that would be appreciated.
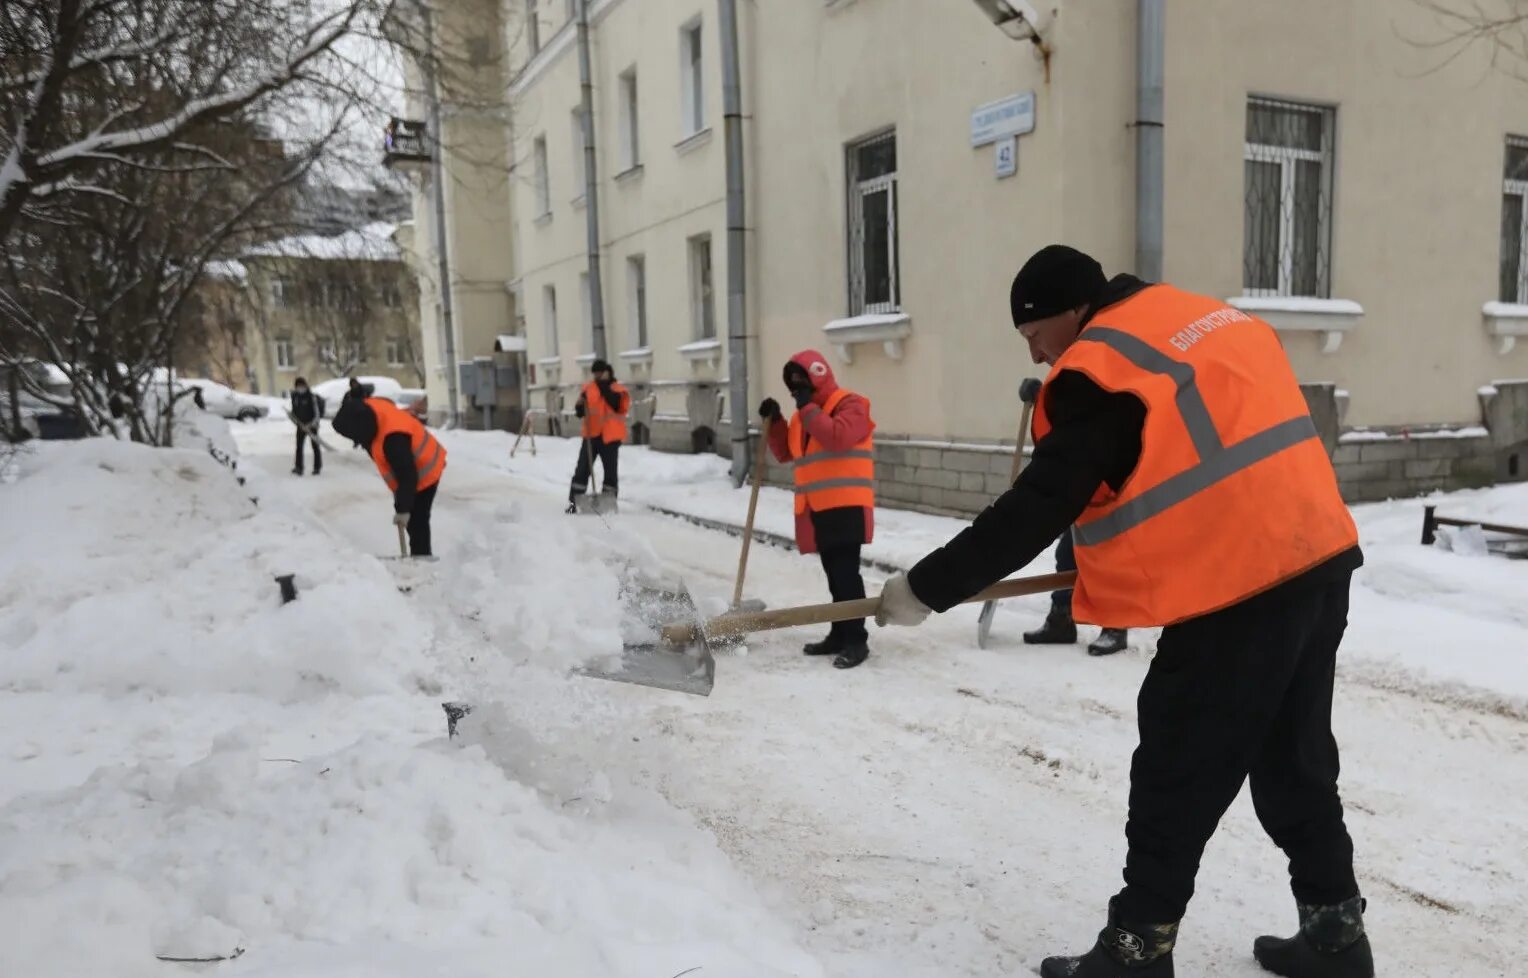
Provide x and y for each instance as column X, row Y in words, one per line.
column 829, row 440
column 1172, row 432
column 409, row 457
column 603, row 405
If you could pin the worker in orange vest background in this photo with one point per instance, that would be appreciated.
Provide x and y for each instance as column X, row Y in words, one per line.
column 1172, row 436
column 829, row 440
column 410, row 459
column 603, row 405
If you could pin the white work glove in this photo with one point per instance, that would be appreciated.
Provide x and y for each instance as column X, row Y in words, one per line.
column 899, row 605
column 401, row 519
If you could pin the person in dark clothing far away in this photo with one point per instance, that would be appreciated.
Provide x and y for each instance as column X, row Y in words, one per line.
column 307, row 410
column 357, row 391
column 602, row 408
column 1060, row 628
column 407, row 455
column 1173, row 434
column 829, row 439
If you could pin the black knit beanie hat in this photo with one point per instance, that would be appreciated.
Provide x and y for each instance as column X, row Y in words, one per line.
column 1055, row 279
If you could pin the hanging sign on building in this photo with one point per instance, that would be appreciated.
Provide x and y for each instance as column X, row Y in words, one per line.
column 1011, row 116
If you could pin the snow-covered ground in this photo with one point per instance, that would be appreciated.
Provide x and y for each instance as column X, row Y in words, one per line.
column 188, row 766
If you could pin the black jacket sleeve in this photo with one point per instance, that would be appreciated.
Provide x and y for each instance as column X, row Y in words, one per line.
column 612, row 397
column 1095, row 438
column 399, row 452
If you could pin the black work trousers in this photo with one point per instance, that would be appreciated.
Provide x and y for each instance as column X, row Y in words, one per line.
column 842, row 565
column 1241, row 693
column 419, row 522
column 318, row 456
column 609, row 455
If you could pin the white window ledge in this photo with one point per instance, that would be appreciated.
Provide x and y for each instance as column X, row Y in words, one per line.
column 510, row 343
column 578, row 202
column 693, row 141
column 641, row 355
column 1505, row 321
column 549, row 362
column 543, row 219
column 888, row 329
column 707, row 352
column 629, row 174
column 584, row 359
column 1292, row 313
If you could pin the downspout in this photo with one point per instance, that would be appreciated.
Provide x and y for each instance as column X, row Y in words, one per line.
column 438, row 178
column 591, row 197
column 737, row 267
column 1148, row 140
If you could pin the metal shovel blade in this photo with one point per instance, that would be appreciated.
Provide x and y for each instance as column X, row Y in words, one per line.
column 687, row 668
column 984, row 623
column 598, row 503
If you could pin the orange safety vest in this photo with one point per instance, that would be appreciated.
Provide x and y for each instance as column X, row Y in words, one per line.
column 831, row 480
column 429, row 454
column 600, row 419
column 1233, row 493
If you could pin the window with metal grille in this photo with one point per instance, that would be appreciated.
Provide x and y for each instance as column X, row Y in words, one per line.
column 1514, row 235
column 1287, row 234
column 874, row 285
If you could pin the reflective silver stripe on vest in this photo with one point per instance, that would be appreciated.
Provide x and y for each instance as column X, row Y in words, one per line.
column 822, row 484
column 421, row 471
column 1196, row 416
column 1222, row 465
column 832, row 456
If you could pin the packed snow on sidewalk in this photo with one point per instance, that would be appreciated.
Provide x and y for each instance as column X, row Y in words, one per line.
column 189, row 767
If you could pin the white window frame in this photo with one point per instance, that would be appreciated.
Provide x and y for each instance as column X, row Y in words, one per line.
column 286, row 354
column 1518, row 188
column 636, row 299
column 702, row 262
column 578, row 168
column 549, row 318
column 858, row 190
column 586, row 311
column 278, row 292
column 532, row 28
column 543, row 177
column 394, row 351
column 1287, row 157
column 631, row 145
column 692, row 78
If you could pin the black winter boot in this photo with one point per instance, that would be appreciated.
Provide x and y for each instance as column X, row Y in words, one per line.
column 1059, row 629
column 1109, row 641
column 1330, row 943
column 832, row 645
column 854, row 652
column 1123, row 951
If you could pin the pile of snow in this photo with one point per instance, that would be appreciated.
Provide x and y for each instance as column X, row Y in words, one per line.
column 372, row 242
column 191, row 768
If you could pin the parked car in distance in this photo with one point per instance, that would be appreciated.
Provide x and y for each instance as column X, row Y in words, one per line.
column 224, row 401
column 414, row 401
column 333, row 391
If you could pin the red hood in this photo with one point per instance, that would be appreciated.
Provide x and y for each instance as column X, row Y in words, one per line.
column 818, row 369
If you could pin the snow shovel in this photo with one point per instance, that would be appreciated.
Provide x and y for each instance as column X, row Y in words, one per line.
column 598, row 503
column 682, row 659
column 752, row 604
column 649, row 662
column 312, row 431
column 1029, row 389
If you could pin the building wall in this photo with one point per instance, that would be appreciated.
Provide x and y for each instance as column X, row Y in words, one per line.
column 1418, row 186
column 270, row 320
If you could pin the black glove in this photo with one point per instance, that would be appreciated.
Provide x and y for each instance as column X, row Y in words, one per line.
column 802, row 396
column 612, row 397
column 769, row 410
column 578, row 409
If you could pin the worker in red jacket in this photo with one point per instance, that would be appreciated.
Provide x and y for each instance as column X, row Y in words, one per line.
column 829, row 440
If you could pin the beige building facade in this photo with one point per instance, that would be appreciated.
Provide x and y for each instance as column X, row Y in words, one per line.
column 1326, row 168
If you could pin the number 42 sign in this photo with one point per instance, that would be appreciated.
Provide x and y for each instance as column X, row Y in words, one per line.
column 1005, row 157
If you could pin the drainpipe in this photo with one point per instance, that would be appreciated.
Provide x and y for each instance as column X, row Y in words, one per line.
column 438, row 179
column 737, row 267
column 591, row 197
column 1148, row 140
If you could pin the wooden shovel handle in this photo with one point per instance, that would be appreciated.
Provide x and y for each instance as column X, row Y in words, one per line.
column 753, row 506
column 1018, row 455
column 680, row 633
